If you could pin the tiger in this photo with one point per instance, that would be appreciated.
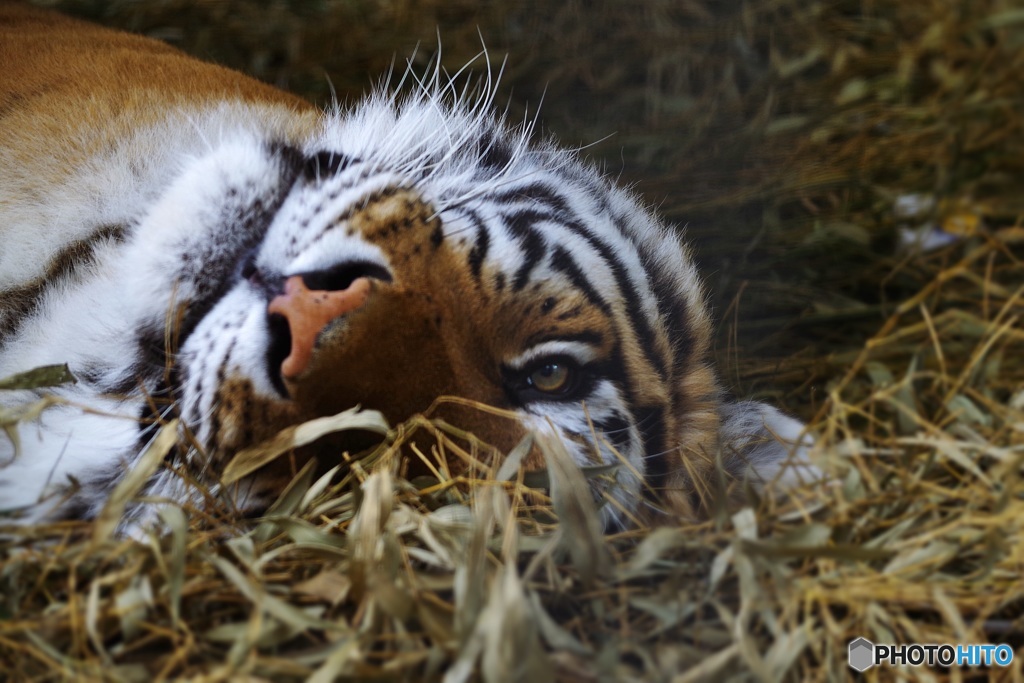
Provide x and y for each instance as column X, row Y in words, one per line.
column 192, row 242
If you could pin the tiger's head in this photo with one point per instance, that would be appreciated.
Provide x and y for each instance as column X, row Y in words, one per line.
column 413, row 250
column 195, row 243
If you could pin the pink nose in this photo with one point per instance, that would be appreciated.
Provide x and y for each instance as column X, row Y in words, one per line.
column 308, row 311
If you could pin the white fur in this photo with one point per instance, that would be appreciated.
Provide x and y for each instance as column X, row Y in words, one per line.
column 773, row 448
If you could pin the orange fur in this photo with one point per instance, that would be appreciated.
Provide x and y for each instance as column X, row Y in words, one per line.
column 49, row 60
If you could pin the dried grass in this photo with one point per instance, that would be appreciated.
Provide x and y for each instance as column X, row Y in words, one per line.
column 786, row 133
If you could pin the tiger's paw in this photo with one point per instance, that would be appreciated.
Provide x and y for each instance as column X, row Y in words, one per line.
column 766, row 447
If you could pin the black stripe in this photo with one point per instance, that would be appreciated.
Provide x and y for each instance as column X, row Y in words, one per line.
column 493, row 152
column 615, row 428
column 615, row 368
column 544, row 194
column 672, row 308
column 564, row 263
column 221, row 376
column 573, row 312
column 19, row 303
column 195, row 417
column 356, row 207
column 215, row 271
column 156, row 401
column 324, row 164
column 521, row 225
column 641, row 326
column 537, row 193
column 482, row 245
column 599, row 190
column 651, row 423
column 437, row 235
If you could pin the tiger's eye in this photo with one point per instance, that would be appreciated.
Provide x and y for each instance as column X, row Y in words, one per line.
column 551, row 378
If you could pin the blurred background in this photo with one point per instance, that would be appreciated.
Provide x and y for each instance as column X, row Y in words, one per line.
column 807, row 148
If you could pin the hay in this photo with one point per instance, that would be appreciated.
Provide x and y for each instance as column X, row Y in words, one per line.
column 791, row 136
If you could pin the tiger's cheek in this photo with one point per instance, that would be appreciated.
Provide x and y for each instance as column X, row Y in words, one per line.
column 241, row 417
column 686, row 474
column 388, row 356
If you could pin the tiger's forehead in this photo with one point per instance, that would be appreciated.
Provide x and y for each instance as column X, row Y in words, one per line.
column 457, row 152
column 511, row 237
column 422, row 137
column 519, row 204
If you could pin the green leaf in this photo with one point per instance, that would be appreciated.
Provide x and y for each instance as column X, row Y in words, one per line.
column 45, row 376
column 251, row 459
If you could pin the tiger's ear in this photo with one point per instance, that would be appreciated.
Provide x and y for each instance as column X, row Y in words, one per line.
column 762, row 444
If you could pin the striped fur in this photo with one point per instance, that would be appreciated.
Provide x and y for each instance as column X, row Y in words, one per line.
column 491, row 257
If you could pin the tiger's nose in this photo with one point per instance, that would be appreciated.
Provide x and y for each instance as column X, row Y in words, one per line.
column 308, row 312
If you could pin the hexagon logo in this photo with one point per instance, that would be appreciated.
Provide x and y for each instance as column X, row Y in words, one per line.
column 862, row 654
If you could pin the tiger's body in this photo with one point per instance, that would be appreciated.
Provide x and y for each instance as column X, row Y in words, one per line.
column 160, row 216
